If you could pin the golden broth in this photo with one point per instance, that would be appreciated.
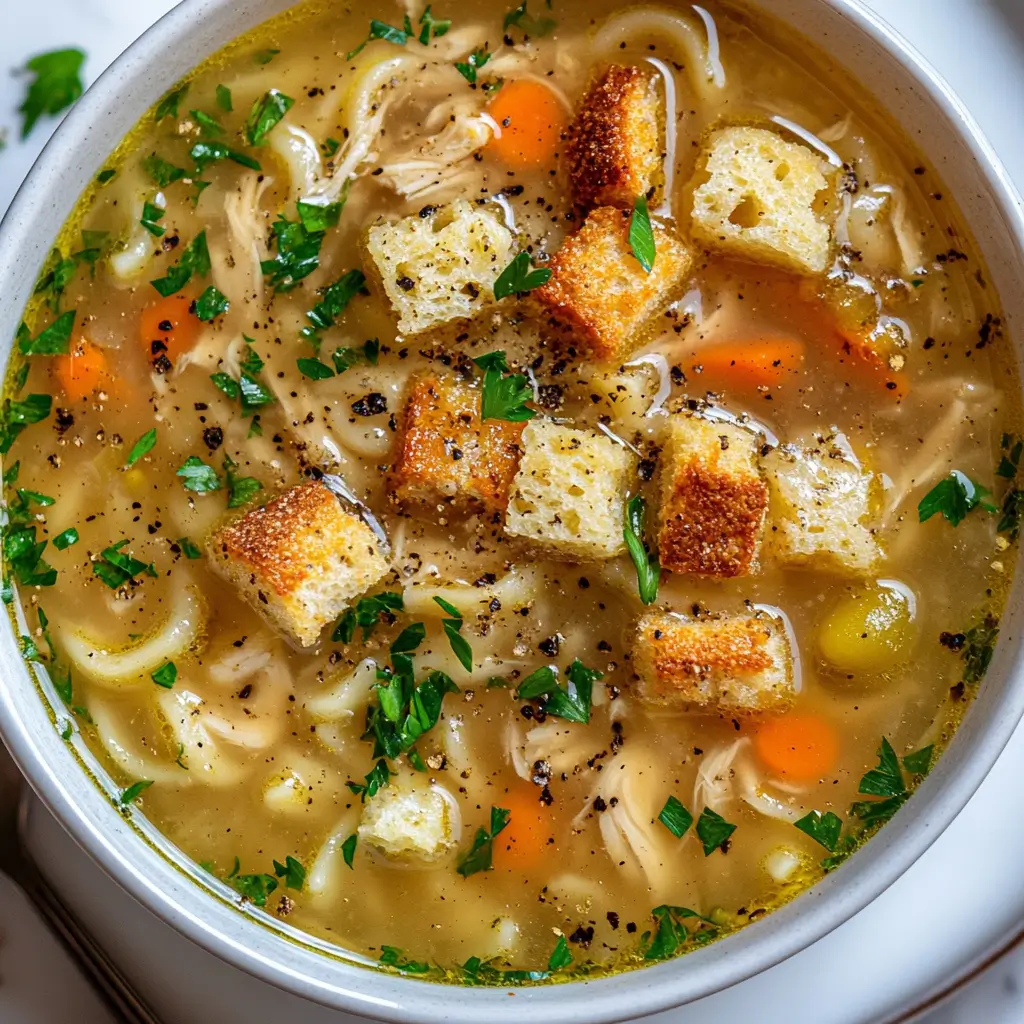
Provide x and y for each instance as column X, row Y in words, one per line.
column 247, row 756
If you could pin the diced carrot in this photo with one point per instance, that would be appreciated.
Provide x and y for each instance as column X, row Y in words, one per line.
column 531, row 119
column 167, row 328
column 522, row 843
column 869, row 368
column 799, row 746
column 83, row 371
column 766, row 362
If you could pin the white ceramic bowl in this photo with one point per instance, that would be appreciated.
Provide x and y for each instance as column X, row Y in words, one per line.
column 206, row 911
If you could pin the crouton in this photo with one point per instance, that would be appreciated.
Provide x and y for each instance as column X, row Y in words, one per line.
column 732, row 665
column 824, row 509
column 599, row 292
column 411, row 821
column 713, row 500
column 300, row 560
column 441, row 267
column 445, row 454
column 759, row 201
column 568, row 496
column 614, row 148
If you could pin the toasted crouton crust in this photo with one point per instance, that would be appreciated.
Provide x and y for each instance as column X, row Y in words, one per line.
column 614, row 149
column 759, row 200
column 731, row 665
column 824, row 509
column 599, row 292
column 713, row 500
column 568, row 497
column 299, row 560
column 445, row 454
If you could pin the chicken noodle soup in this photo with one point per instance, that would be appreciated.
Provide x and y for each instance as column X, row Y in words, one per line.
column 514, row 494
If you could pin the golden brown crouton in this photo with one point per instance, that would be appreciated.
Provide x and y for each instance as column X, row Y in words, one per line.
column 599, row 292
column 732, row 665
column 569, row 495
column 445, row 454
column 615, row 144
column 300, row 560
column 713, row 500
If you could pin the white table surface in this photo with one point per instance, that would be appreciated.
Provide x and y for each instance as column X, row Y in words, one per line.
column 948, row 912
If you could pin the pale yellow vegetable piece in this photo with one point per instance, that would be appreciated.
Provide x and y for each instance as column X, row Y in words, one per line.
column 871, row 630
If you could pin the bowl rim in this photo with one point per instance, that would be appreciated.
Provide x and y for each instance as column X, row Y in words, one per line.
column 240, row 940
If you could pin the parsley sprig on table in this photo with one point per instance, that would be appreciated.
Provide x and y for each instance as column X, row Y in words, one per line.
column 56, row 84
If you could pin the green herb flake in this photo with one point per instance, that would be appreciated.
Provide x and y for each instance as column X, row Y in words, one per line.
column 168, row 106
column 431, row 27
column 641, row 234
column 133, row 792
column 194, row 261
column 979, row 646
column 381, row 30
column 313, row 368
column 377, row 777
column 472, row 64
column 264, row 57
column 206, row 153
column 391, row 956
column 28, row 648
column 297, row 256
column 713, row 831
column 293, row 873
column 560, row 956
column 115, row 568
column 151, row 216
column 188, row 549
column 348, row 849
column 572, row 703
column 920, row 761
column 241, row 489
column 224, row 99
column 16, row 414
column 161, row 172
column 822, row 828
column 675, row 817
column 886, row 779
column 165, row 675
column 329, row 147
column 954, row 497
column 504, row 394
column 107, row 174
column 531, row 26
column 143, row 446
column 65, row 539
column 52, row 341
column 671, row 933
column 266, row 112
column 366, row 614
column 67, row 730
column 648, row 570
column 56, row 84
column 334, row 300
column 197, row 476
column 256, row 889
column 520, row 276
column 208, row 126
column 319, row 216
column 478, row 857
column 211, row 304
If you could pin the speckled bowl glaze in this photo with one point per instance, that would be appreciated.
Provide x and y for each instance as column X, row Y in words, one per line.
column 156, row 874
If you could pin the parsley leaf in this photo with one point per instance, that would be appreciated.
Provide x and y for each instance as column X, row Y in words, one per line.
column 348, row 849
column 574, row 702
column 28, row 648
column 979, row 646
column 391, row 956
column 520, row 276
column 197, row 476
column 560, row 956
column 713, row 830
column 671, row 931
column 293, row 873
column 17, row 413
column 53, row 340
column 641, row 234
column 345, row 358
column 254, row 888
column 206, row 153
column 432, row 26
column 224, row 99
column 160, row 171
column 107, row 174
column 298, row 254
column 503, row 397
column 377, row 776
column 886, row 779
column 65, row 538
column 409, row 639
column 920, row 761
column 675, row 817
column 134, row 791
column 313, row 368
column 381, row 30
column 143, row 446
column 822, row 828
column 168, row 106
column 165, row 675
column 211, row 304
column 263, row 57
column 537, row 27
column 478, row 858
column 151, row 215
column 319, row 216
column 266, row 112
column 648, row 571
column 194, row 260
column 476, row 60
column 366, row 614
column 188, row 549
column 453, row 630
column 209, row 126
column 116, row 568
column 241, row 489
column 954, row 497
column 334, row 299
column 56, row 85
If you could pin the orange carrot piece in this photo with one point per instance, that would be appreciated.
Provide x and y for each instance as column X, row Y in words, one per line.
column 82, row 371
column 766, row 362
column 869, row 368
column 532, row 120
column 167, row 328
column 799, row 746
column 521, row 844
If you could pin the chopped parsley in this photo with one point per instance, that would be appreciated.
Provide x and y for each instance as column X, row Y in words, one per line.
column 28, row 648
column 194, row 261
column 1013, row 500
column 675, row 817
column 560, row 955
column 641, row 234
column 107, row 174
column 671, row 931
column 206, row 153
column 208, row 126
column 133, row 792
column 59, row 269
column 390, row 34
column 884, row 781
column 954, row 496
column 531, row 26
column 478, row 857
column 189, row 550
column 165, row 675
column 262, row 57
column 405, row 711
column 115, row 568
column 18, row 413
column 224, row 99
column 65, row 538
column 574, row 702
column 254, row 888
column 298, row 254
column 161, row 172
column 293, row 873
column 151, row 216
column 648, row 570
column 979, row 646
column 453, row 630
column 248, row 388
column 211, row 304
column 266, row 112
column 319, row 216
column 713, row 831
column 822, row 828
column 378, row 776
column 366, row 614
column 391, row 956
column 520, row 276
column 197, row 476
column 345, row 358
column 504, row 394
column 241, row 489
column 168, row 106
column 313, row 368
column 472, row 64
column 432, row 27
column 143, row 446
column 57, row 83
column 920, row 761
column 334, row 299
column 51, row 341
column 348, row 849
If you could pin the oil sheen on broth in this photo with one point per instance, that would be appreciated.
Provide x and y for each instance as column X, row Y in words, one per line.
column 813, row 353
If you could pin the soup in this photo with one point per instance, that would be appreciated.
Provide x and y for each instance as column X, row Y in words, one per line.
column 516, row 495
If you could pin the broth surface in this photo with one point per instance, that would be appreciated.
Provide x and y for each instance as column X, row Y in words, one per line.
column 250, row 749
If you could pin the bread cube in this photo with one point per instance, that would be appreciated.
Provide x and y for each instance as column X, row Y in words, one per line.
column 600, row 294
column 732, row 665
column 824, row 509
column 447, row 455
column 615, row 150
column 441, row 267
column 568, row 497
column 406, row 821
column 300, row 560
column 759, row 200
column 713, row 499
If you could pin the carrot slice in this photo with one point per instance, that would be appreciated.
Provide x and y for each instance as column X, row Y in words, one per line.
column 521, row 844
column 531, row 120
column 763, row 363
column 167, row 328
column 869, row 368
column 82, row 371
column 800, row 746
